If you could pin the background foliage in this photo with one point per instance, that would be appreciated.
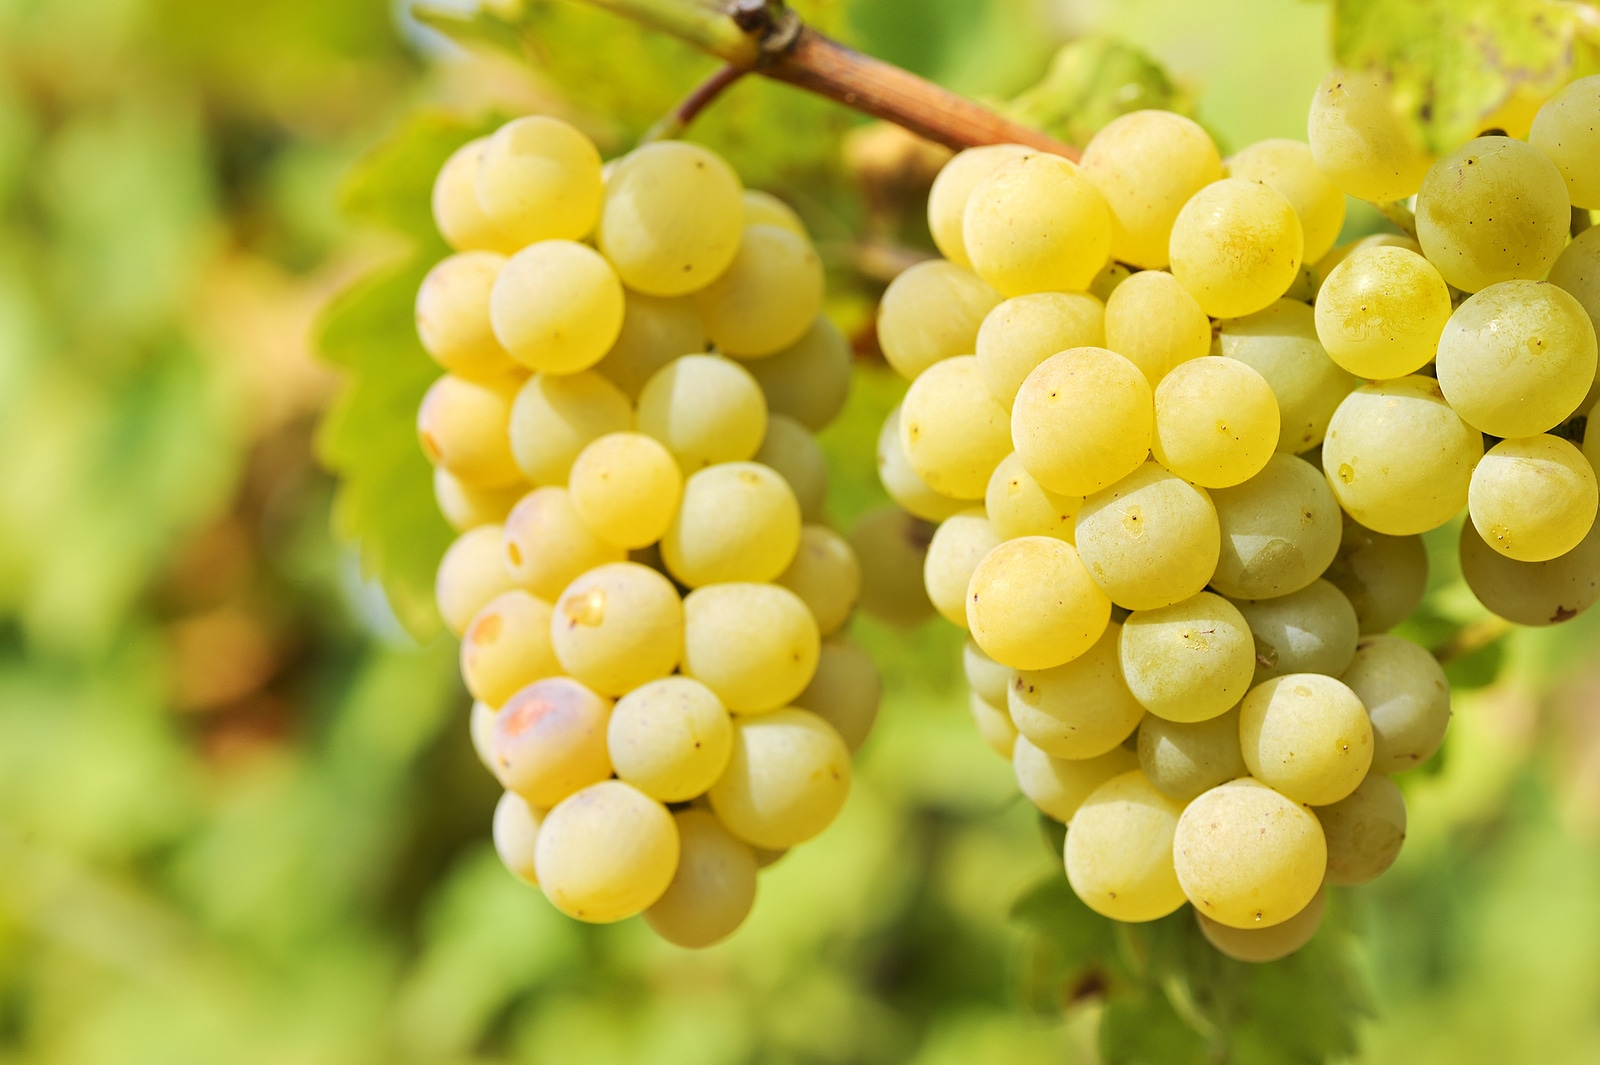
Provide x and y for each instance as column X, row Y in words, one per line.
column 239, row 819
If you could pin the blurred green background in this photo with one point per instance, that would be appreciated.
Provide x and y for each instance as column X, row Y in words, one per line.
column 240, row 820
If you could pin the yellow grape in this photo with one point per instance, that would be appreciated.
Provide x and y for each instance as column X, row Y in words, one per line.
column 1147, row 164
column 625, row 487
column 1314, row 630
column 672, row 218
column 809, row 380
column 1381, row 311
column 767, row 297
column 554, row 418
column 506, row 647
column 1023, row 331
column 738, row 521
column 1217, row 422
column 461, row 222
column 1036, row 224
column 1150, row 540
column 755, row 645
column 1119, row 850
column 994, row 725
column 1532, row 593
column 1081, row 709
column 1565, row 131
column 671, row 738
column 1364, row 830
column 1259, row 945
column 1152, row 321
column 1031, row 604
column 463, row 427
column 901, row 480
column 952, row 430
column 452, row 315
column 891, row 546
column 1383, row 577
column 1280, row 343
column 618, row 626
column 793, row 451
column 1017, row 505
column 466, row 506
column 1190, row 661
column 930, row 312
column 1533, row 498
column 826, row 575
column 765, row 209
column 1083, row 420
column 947, row 199
column 788, row 779
column 1185, row 759
column 606, row 853
column 1360, row 140
column 516, row 834
column 655, row 330
column 1058, row 786
column 706, row 409
column 538, row 178
column 1280, row 530
column 556, row 306
column 1236, row 247
column 1407, row 697
column 985, row 676
column 1291, row 168
column 547, row 545
column 549, row 740
column 472, row 572
column 1248, row 857
column 1307, row 736
column 714, row 886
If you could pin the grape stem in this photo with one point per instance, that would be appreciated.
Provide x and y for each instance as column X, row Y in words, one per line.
column 765, row 37
column 1397, row 212
column 675, row 122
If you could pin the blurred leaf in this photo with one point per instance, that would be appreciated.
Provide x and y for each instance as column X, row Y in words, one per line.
column 1090, row 82
column 480, row 29
column 392, row 186
column 1143, row 1029
column 1072, row 951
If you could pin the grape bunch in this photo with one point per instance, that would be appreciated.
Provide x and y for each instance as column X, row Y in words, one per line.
column 1181, row 448
column 649, row 600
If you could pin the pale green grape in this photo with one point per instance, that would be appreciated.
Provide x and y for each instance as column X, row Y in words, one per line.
column 554, row 418
column 671, row 738
column 1381, row 311
column 606, row 853
column 1147, row 165
column 1313, row 630
column 738, row 521
column 1533, row 498
column 1018, row 505
column 1150, row 540
column 789, row 448
column 706, row 409
column 953, row 432
column 1566, row 131
column 1364, row 830
column 826, row 575
column 891, row 546
column 994, row 725
column 901, row 480
column 1577, row 272
column 985, row 676
column 1216, row 422
column 1236, row 246
column 466, row 506
column 958, row 545
column 1280, row 343
column 1032, row 604
column 1190, row 661
column 1036, row 224
column 538, row 178
column 788, row 779
column 1058, row 786
column 516, row 833
column 845, row 690
column 809, row 380
column 1184, row 759
column 1153, row 322
column 1517, row 358
column 1023, row 331
column 714, row 886
column 1082, row 420
column 1119, row 850
column 1360, row 139
column 930, row 312
column 1307, row 736
column 472, row 572
column 1078, row 710
column 1407, row 697
column 1259, row 945
column 1291, row 168
column 549, row 740
column 506, row 647
column 547, row 545
column 767, row 297
column 1280, row 529
column 1383, row 577
column 626, row 487
column 452, row 315
column 655, row 331
column 1532, row 593
column 1493, row 210
column 765, row 209
column 672, row 218
column 947, row 199
column 1398, row 458
column 456, row 213
column 755, row 645
column 463, row 426
column 618, row 626
column 556, row 306
column 480, row 726
column 1248, row 857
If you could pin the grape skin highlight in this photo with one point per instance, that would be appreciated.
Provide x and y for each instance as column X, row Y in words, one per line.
column 1533, row 499
column 1032, row 605
column 1119, row 850
column 606, row 853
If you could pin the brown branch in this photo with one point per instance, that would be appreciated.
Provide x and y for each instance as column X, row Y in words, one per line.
column 675, row 122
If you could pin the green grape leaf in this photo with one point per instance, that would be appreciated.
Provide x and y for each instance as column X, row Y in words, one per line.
column 479, row 29
column 391, row 187
column 1090, row 82
column 1461, row 66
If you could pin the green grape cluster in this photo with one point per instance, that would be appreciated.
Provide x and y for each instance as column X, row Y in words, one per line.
column 1180, row 449
column 649, row 599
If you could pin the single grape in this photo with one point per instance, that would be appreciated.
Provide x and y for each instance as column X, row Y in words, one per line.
column 739, row 521
column 767, row 297
column 625, row 487
column 809, row 380
column 1493, row 210
column 671, row 738
column 467, row 506
column 953, row 432
column 1150, row 540
column 554, row 418
column 1152, row 321
column 985, row 676
column 1216, row 422
column 792, row 450
column 1280, row 343
column 845, row 690
column 958, row 545
column 1360, row 139
column 1236, row 247
column 901, row 480
column 706, row 409
column 1031, row 604
column 1018, row 505
column 461, row 222
column 1119, row 850
column 506, row 647
column 556, row 306
column 1533, row 498
column 1383, row 577
column 891, row 546
column 1082, row 420
column 754, row 645
column 1364, row 830
column 1407, row 698
column 765, row 209
column 947, row 199
column 1291, row 168
column 1147, row 164
column 1058, row 786
column 547, row 545
column 1306, row 735
column 1381, row 311
column 1078, row 710
column 538, row 178
column 1036, row 224
column 472, row 572
column 1184, row 759
column 787, row 780
column 1280, row 530
column 1023, row 331
column 462, row 426
column 1190, row 661
column 714, row 886
column 516, row 834
column 655, row 331
column 549, row 740
column 618, row 626
column 1248, row 857
column 606, row 853
column 826, row 575
column 672, row 218
column 1259, row 945
column 930, row 312
column 452, row 316
column 1532, row 593
column 1566, row 132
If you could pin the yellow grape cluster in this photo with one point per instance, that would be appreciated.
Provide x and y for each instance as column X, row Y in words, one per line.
column 1180, row 447
column 649, row 599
